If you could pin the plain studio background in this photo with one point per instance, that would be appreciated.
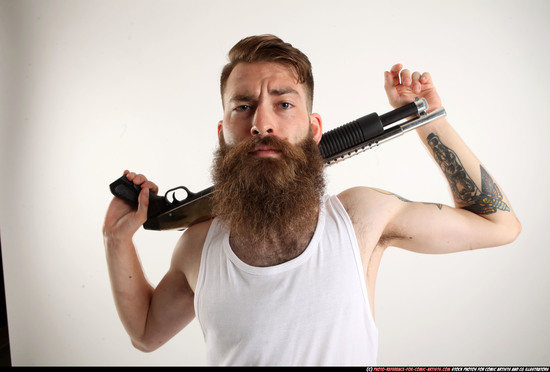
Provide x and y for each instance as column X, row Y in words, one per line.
column 90, row 88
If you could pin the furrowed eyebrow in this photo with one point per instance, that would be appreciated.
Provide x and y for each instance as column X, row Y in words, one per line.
column 274, row 92
column 283, row 91
column 241, row 98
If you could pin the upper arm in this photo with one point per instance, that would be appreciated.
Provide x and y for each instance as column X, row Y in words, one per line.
column 188, row 251
column 426, row 227
column 172, row 304
column 431, row 228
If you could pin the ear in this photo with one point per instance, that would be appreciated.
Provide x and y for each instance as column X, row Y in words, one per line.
column 316, row 126
column 220, row 125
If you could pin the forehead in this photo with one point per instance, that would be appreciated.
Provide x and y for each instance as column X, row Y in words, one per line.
column 251, row 78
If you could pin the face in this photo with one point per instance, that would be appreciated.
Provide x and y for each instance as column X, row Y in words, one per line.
column 262, row 99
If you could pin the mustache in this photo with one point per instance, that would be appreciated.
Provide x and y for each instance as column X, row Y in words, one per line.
column 249, row 145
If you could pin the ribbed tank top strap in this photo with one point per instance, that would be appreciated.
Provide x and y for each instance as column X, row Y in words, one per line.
column 215, row 233
column 334, row 205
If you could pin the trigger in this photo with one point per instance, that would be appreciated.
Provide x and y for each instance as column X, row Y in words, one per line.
column 173, row 194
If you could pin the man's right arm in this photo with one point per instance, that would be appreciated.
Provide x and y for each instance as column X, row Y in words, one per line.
column 151, row 316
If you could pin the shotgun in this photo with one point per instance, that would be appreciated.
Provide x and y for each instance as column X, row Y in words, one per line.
column 168, row 213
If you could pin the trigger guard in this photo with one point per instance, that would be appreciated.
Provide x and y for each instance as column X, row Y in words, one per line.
column 173, row 191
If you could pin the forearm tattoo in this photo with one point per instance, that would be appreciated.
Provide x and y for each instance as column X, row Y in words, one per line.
column 485, row 201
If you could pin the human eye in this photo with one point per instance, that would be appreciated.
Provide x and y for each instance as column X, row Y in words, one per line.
column 242, row 108
column 285, row 105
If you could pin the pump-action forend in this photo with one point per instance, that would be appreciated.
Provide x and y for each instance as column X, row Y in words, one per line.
column 338, row 144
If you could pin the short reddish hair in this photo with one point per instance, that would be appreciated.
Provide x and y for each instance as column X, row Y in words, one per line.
column 270, row 48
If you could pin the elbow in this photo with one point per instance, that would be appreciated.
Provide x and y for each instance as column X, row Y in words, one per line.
column 144, row 346
column 515, row 230
column 510, row 232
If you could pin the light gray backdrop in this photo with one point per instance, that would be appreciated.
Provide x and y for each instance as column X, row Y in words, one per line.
column 90, row 88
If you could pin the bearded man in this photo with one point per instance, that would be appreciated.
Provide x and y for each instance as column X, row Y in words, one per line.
column 284, row 274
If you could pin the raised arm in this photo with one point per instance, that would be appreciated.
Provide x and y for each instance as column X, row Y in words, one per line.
column 482, row 216
column 151, row 316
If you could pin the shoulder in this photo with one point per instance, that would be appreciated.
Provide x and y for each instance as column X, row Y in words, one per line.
column 365, row 200
column 188, row 251
column 371, row 210
column 194, row 235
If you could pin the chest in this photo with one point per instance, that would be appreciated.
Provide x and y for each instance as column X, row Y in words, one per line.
column 284, row 312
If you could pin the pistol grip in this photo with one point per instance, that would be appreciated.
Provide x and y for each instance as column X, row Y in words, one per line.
column 128, row 191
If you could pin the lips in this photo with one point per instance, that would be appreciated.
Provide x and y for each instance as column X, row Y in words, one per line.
column 265, row 150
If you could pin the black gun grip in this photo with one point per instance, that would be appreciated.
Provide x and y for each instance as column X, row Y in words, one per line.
column 126, row 190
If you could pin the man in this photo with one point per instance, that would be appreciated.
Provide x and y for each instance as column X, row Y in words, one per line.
column 286, row 274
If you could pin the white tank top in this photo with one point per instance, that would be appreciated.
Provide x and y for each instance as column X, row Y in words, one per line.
column 311, row 310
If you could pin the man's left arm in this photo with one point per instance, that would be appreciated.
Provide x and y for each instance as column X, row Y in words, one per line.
column 482, row 215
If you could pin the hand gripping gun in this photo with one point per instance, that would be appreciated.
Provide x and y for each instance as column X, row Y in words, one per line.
column 168, row 213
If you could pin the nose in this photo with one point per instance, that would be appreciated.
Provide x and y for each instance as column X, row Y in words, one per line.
column 263, row 122
column 258, row 131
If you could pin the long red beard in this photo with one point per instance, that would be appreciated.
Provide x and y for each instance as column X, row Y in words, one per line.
column 268, row 199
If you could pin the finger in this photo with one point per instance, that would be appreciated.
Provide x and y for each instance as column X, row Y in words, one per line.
column 416, row 86
column 139, row 179
column 389, row 80
column 426, row 78
column 143, row 205
column 396, row 68
column 151, row 186
column 394, row 73
column 130, row 175
column 406, row 77
column 389, row 85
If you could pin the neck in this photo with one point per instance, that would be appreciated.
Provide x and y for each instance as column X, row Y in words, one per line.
column 274, row 250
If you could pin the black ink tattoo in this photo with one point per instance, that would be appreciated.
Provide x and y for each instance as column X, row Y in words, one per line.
column 490, row 198
column 485, row 201
column 440, row 206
